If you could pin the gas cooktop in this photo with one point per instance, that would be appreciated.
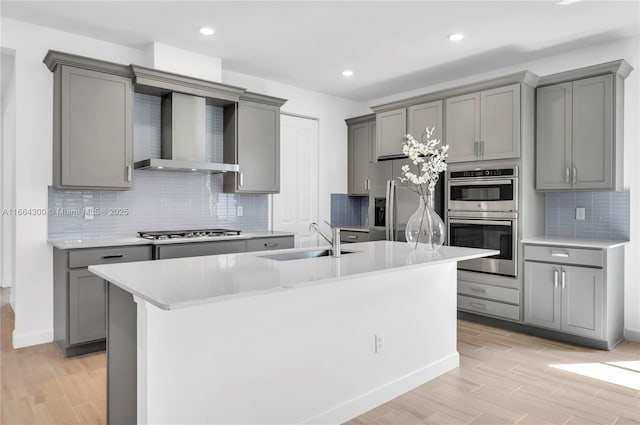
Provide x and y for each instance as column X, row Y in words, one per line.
column 183, row 234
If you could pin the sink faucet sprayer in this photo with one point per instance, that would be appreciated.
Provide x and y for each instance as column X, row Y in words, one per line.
column 335, row 233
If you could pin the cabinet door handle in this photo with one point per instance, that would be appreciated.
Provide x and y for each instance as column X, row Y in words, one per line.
column 564, row 254
column 555, row 278
column 566, row 175
column 575, row 175
column 482, row 148
column 476, row 148
column 479, row 306
column 479, row 290
column 270, row 244
column 564, row 279
column 241, row 179
column 107, row 257
column 128, row 173
column 352, row 237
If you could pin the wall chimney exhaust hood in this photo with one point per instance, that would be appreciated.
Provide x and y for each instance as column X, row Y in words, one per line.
column 184, row 137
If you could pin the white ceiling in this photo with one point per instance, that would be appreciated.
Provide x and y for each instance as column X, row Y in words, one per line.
column 391, row 46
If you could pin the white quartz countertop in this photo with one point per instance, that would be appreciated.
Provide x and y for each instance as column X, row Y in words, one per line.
column 183, row 282
column 122, row 241
column 573, row 242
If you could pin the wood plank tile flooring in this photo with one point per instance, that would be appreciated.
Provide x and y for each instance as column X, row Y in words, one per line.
column 504, row 378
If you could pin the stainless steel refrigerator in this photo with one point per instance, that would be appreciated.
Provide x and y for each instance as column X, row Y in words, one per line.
column 391, row 203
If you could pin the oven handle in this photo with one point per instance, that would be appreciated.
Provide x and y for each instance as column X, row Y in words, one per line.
column 478, row 182
column 488, row 222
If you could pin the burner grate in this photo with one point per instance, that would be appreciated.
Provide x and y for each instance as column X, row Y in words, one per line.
column 181, row 234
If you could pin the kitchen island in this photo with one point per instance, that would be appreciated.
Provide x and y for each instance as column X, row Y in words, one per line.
column 263, row 338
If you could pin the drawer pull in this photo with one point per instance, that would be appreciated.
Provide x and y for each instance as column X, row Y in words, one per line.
column 108, row 257
column 352, row 237
column 564, row 254
column 479, row 306
column 270, row 244
column 479, row 290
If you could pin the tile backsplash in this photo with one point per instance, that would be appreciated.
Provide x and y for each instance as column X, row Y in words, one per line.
column 606, row 215
column 159, row 200
column 349, row 210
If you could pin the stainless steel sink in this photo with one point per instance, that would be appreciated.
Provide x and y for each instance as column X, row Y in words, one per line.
column 288, row 256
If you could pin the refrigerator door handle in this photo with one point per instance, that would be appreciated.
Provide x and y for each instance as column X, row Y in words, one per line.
column 387, row 208
column 392, row 213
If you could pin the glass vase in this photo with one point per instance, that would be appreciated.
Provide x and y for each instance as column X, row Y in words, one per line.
column 425, row 229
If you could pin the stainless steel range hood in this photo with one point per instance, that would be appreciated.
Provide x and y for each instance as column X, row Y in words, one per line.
column 184, row 137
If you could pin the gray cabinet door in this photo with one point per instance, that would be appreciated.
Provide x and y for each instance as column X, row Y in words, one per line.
column 423, row 116
column 554, row 136
column 463, row 127
column 391, row 126
column 500, row 122
column 258, row 148
column 372, row 141
column 542, row 296
column 96, row 133
column 359, row 155
column 593, row 133
column 583, row 301
column 87, row 307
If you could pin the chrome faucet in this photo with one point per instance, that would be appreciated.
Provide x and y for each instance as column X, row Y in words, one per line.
column 335, row 233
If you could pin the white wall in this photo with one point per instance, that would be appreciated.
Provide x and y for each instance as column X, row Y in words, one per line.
column 7, row 149
column 178, row 61
column 628, row 49
column 34, row 115
column 331, row 112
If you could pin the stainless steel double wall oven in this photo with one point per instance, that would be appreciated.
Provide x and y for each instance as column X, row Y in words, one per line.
column 483, row 213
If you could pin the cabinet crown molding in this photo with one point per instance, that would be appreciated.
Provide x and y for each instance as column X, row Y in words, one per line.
column 361, row 119
column 53, row 58
column 263, row 98
column 524, row 77
column 620, row 67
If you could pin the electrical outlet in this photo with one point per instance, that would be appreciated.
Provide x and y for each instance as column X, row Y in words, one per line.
column 88, row 213
column 239, row 211
column 580, row 213
column 379, row 348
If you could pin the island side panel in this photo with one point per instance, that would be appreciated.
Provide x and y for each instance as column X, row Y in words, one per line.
column 304, row 355
column 121, row 357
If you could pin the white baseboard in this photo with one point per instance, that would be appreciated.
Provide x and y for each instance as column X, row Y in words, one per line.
column 5, row 283
column 20, row 340
column 632, row 335
column 357, row 406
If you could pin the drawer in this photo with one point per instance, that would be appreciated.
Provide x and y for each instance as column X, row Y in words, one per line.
column 497, row 293
column 351, row 236
column 265, row 244
column 492, row 308
column 564, row 255
column 122, row 254
column 198, row 249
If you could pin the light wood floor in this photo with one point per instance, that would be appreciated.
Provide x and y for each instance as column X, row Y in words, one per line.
column 504, row 378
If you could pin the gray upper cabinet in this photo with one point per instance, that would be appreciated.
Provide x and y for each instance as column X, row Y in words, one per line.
column 391, row 126
column 579, row 128
column 361, row 143
column 484, row 125
column 425, row 115
column 92, row 123
column 252, row 140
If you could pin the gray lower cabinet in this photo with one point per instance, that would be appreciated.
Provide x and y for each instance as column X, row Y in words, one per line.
column 484, row 125
column 92, row 123
column 576, row 291
column 79, row 310
column 252, row 140
column 269, row 243
column 198, row 249
column 576, row 134
column 361, row 148
column 352, row 236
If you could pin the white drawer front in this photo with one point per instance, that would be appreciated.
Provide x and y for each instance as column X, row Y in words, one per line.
column 491, row 308
column 497, row 293
column 564, row 255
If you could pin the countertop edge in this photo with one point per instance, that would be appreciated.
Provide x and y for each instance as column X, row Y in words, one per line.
column 578, row 243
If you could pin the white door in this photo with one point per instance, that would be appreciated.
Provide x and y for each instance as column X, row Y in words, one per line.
column 296, row 206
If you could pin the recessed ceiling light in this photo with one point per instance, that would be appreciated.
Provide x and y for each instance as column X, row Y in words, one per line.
column 207, row 31
column 160, row 167
column 456, row 37
column 193, row 169
column 567, row 2
column 347, row 73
